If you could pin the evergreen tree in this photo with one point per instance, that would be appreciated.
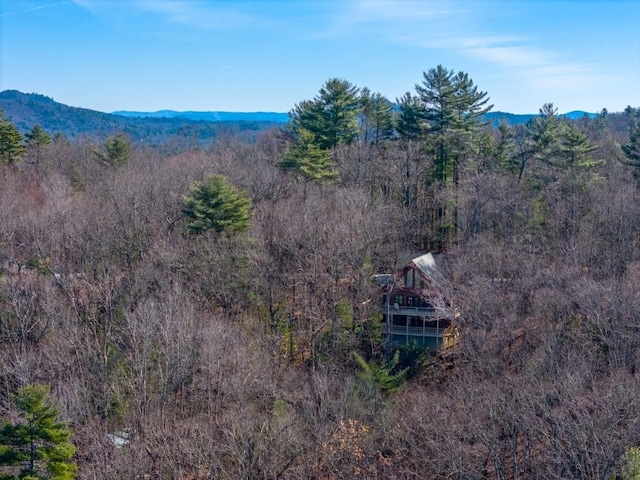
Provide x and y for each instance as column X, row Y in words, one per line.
column 376, row 117
column 38, row 444
column 453, row 108
column 631, row 464
column 382, row 376
column 303, row 116
column 366, row 114
column 11, row 147
column 37, row 137
column 338, row 105
column 116, row 151
column 576, row 147
column 504, row 151
column 545, row 132
column 309, row 160
column 631, row 149
column 410, row 123
column 36, row 141
column 332, row 116
column 217, row 205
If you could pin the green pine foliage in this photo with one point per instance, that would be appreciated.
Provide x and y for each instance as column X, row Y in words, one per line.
column 631, row 464
column 37, row 137
column 505, row 149
column 37, row 445
column 309, row 160
column 382, row 375
column 115, row 152
column 453, row 109
column 337, row 108
column 545, row 130
column 36, row 143
column 216, row 205
column 411, row 122
column 576, row 148
column 631, row 149
column 377, row 123
column 332, row 116
column 11, row 147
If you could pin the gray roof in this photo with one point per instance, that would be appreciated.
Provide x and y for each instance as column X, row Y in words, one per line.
column 427, row 267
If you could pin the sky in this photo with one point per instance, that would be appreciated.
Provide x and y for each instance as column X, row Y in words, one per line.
column 268, row 55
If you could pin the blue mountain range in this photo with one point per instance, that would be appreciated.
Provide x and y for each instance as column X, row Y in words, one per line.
column 274, row 117
column 279, row 117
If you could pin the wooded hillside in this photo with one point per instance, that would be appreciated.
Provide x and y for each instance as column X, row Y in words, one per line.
column 26, row 110
column 214, row 304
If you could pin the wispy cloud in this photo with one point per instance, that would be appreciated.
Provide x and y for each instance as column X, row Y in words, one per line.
column 383, row 18
column 32, row 9
column 536, row 67
column 405, row 11
column 197, row 14
column 191, row 13
column 460, row 28
column 504, row 51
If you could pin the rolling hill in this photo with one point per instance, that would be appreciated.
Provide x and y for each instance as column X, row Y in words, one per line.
column 274, row 117
column 25, row 110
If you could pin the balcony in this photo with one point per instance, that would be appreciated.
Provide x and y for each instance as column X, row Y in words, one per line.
column 432, row 339
column 396, row 309
column 415, row 331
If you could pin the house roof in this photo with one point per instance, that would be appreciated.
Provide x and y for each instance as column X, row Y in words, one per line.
column 426, row 266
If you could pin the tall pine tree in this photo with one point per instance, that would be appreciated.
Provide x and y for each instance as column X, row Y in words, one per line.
column 37, row 445
column 376, row 117
column 37, row 140
column 332, row 116
column 308, row 160
column 411, row 122
column 576, row 148
column 453, row 110
column 11, row 147
column 631, row 149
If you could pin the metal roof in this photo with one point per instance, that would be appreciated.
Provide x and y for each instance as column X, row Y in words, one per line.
column 427, row 267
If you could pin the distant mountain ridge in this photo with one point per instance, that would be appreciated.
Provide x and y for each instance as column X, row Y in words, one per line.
column 213, row 116
column 278, row 117
column 518, row 119
column 25, row 110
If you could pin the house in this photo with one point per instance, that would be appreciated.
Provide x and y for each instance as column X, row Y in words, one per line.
column 415, row 308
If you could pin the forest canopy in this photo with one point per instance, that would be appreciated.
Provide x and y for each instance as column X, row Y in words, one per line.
column 209, row 302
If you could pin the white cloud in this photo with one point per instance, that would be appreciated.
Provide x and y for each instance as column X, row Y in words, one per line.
column 458, row 27
column 536, row 68
column 32, row 9
column 504, row 52
column 196, row 14
column 406, row 11
column 383, row 18
column 192, row 13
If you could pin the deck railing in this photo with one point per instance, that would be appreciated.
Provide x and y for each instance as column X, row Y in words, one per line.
column 415, row 331
column 409, row 309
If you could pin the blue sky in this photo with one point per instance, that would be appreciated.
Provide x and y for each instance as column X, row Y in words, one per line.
column 267, row 55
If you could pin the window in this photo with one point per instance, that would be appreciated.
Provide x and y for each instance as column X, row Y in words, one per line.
column 400, row 320
column 409, row 278
column 397, row 299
